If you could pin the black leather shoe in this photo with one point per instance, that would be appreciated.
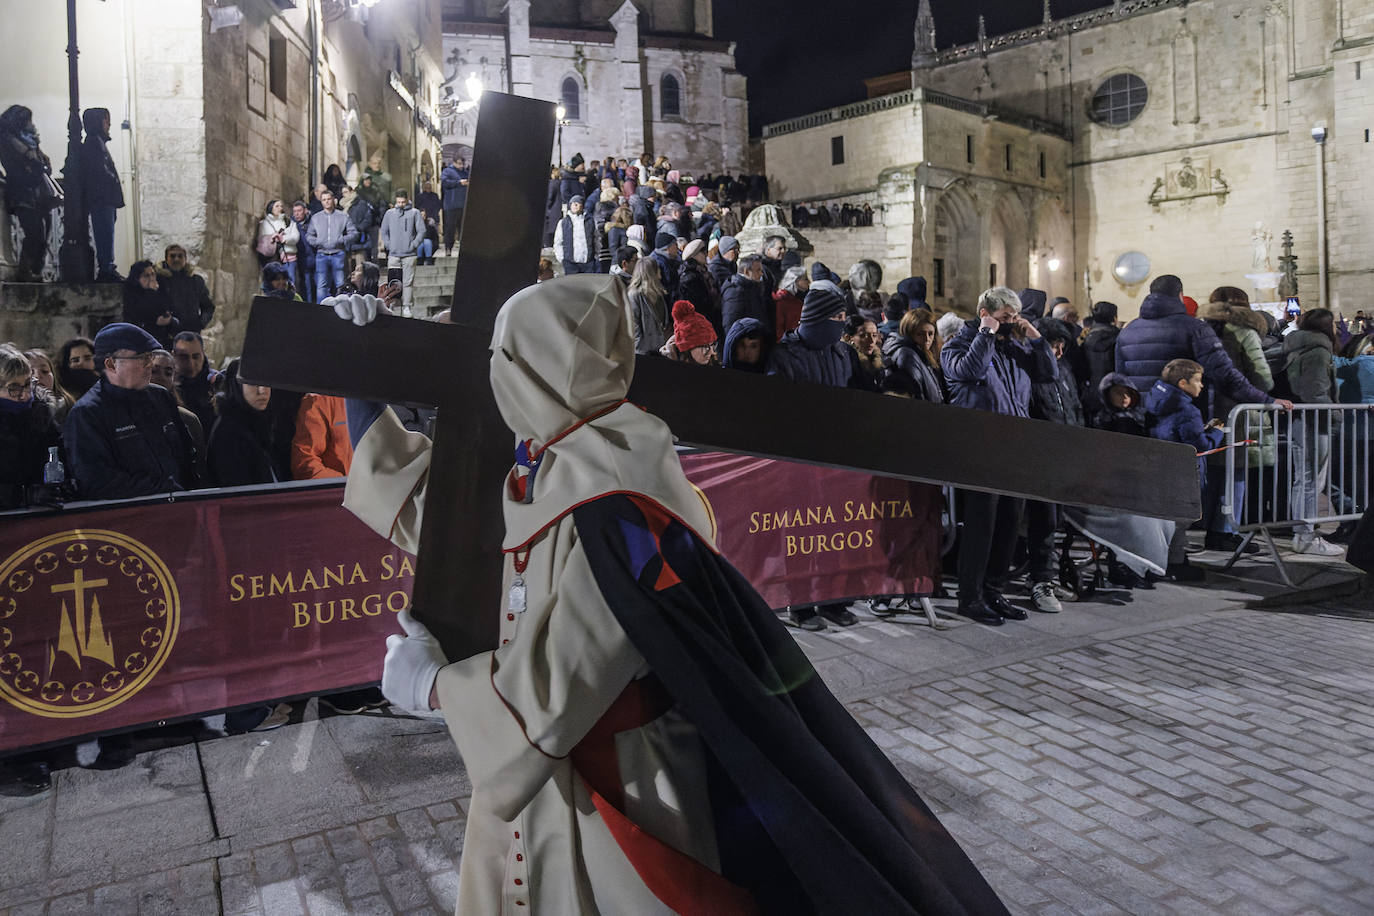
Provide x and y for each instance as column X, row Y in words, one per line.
column 806, row 618
column 1185, row 572
column 1124, row 576
column 839, row 615
column 979, row 612
column 1003, row 608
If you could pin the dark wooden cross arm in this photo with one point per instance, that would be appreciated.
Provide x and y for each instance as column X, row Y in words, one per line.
column 406, row 361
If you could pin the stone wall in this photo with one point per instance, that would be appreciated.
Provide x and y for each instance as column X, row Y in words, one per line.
column 1234, row 85
column 46, row 314
column 709, row 135
column 840, row 248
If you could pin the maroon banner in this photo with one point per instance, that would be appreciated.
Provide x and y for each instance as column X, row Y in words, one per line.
column 131, row 614
column 803, row 534
column 128, row 614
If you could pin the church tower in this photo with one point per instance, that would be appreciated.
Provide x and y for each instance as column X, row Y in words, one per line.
column 923, row 56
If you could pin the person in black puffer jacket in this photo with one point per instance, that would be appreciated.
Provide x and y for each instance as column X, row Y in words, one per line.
column 1165, row 332
column 913, row 360
column 146, row 304
column 241, row 450
column 1098, row 346
column 27, row 428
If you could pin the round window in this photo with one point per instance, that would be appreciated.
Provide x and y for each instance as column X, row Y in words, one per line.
column 1131, row 268
column 1119, row 100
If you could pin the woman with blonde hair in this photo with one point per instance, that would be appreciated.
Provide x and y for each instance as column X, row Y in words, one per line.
column 649, row 306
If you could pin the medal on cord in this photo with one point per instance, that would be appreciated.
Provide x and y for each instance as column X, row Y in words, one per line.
column 523, row 485
column 527, row 462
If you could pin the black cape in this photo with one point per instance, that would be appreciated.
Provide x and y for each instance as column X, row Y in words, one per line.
column 810, row 816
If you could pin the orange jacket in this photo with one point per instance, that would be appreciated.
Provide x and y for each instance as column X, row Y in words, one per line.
column 321, row 447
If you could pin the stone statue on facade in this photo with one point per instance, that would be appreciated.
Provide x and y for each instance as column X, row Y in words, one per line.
column 1260, row 241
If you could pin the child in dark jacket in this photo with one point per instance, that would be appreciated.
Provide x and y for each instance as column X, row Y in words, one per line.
column 1120, row 409
column 1173, row 417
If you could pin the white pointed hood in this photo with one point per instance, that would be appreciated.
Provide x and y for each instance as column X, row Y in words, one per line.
column 560, row 352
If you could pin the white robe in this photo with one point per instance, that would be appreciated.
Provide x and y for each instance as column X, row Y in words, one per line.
column 535, row 842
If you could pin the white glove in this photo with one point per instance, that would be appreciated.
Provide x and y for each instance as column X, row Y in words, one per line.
column 412, row 663
column 357, row 308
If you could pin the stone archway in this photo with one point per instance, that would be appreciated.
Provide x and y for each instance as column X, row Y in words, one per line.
column 1009, row 248
column 956, row 251
column 1053, row 267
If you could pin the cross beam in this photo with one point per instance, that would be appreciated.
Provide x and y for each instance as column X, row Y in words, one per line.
column 458, row 573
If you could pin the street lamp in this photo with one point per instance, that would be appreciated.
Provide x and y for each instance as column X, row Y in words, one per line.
column 561, row 114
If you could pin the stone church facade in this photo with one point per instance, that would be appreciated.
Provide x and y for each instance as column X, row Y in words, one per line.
column 1147, row 137
column 633, row 77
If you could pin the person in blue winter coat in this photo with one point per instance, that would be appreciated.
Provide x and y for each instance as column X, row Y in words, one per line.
column 1165, row 331
column 991, row 364
column 1173, row 417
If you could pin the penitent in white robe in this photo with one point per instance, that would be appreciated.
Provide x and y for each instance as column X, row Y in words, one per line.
column 535, row 841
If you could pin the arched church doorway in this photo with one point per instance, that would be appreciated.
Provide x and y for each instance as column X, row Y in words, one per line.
column 1009, row 243
column 955, row 279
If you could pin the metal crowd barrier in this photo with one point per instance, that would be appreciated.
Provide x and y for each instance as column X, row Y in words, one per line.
column 1307, row 466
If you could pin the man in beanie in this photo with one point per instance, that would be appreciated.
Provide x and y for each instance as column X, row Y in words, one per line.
column 815, row 353
column 693, row 336
column 575, row 240
column 722, row 263
column 125, row 437
column 667, row 255
column 745, row 296
column 570, row 179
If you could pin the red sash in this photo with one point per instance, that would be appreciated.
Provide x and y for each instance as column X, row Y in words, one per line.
column 681, row 882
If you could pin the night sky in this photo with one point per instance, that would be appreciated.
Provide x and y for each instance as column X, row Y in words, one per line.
column 806, row 55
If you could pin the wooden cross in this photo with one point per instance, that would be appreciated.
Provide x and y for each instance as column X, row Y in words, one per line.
column 397, row 360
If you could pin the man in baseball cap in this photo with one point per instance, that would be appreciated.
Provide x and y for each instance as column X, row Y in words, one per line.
column 125, row 437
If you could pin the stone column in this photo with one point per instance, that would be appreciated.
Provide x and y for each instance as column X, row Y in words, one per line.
column 904, row 252
column 521, row 69
column 734, row 133
column 626, row 25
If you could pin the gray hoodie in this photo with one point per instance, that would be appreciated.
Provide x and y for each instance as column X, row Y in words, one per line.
column 403, row 228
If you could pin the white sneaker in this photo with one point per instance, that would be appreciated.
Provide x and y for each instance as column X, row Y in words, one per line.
column 405, row 311
column 1316, row 546
column 1043, row 598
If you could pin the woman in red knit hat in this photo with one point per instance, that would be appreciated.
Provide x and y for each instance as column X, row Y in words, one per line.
column 694, row 339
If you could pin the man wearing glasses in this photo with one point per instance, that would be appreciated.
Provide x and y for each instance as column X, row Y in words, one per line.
column 125, row 438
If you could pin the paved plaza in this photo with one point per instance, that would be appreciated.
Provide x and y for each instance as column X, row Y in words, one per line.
column 1166, row 751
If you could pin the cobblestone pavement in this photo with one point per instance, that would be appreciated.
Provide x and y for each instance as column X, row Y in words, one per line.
column 1171, row 753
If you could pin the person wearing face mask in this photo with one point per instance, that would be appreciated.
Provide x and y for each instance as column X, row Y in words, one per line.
column 75, row 371
column 990, row 365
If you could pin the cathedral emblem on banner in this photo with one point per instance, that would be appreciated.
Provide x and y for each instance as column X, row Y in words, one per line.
column 87, row 618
